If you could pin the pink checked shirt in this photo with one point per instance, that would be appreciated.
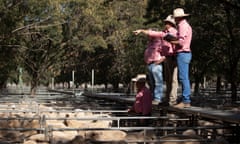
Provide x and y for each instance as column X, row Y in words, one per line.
column 184, row 36
column 143, row 102
column 168, row 49
column 154, row 47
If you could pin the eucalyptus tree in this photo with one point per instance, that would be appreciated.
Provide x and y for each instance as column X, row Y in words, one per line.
column 217, row 22
column 229, row 41
column 10, row 16
column 204, row 53
column 123, row 18
column 99, row 32
column 82, row 34
column 40, row 34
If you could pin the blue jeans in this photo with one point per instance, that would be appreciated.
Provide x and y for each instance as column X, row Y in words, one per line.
column 156, row 81
column 183, row 61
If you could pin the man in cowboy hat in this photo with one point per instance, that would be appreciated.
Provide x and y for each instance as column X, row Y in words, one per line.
column 170, row 63
column 184, row 55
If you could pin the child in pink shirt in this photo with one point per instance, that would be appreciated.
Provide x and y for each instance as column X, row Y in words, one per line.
column 143, row 102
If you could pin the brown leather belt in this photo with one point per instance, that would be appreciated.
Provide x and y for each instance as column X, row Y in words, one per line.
column 184, row 52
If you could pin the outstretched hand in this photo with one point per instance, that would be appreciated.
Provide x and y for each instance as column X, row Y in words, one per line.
column 136, row 32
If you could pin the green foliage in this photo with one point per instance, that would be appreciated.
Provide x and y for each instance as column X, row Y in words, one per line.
column 50, row 38
column 91, row 42
column 10, row 17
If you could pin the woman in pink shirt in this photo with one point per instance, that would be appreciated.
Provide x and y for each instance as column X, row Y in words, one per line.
column 153, row 58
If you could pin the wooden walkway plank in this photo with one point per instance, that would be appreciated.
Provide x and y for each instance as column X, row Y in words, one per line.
column 209, row 113
column 223, row 115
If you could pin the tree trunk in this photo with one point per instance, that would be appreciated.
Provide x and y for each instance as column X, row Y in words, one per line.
column 218, row 85
column 34, row 84
column 233, row 81
column 233, row 54
column 204, row 82
column 234, row 92
column 2, row 85
column 196, row 87
column 33, row 88
column 115, row 87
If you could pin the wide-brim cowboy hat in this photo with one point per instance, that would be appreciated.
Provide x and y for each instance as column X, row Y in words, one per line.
column 140, row 78
column 179, row 12
column 170, row 19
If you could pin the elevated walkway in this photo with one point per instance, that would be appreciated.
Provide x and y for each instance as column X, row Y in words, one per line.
column 224, row 116
column 191, row 116
column 186, row 117
column 208, row 113
column 219, row 115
